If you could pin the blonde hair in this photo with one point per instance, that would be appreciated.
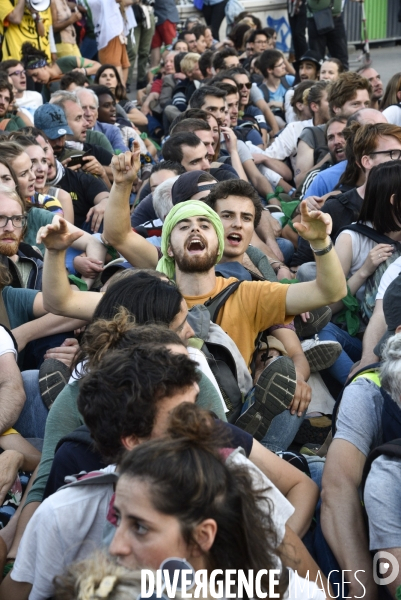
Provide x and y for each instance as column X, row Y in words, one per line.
column 12, row 195
column 189, row 61
column 97, row 577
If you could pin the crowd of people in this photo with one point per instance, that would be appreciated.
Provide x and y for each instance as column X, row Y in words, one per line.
column 200, row 349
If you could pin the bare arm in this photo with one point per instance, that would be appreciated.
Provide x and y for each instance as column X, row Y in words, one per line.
column 374, row 332
column 66, row 203
column 16, row 15
column 12, row 393
column 256, row 178
column 58, row 297
column 342, row 516
column 299, row 489
column 269, row 116
column 330, row 285
column 96, row 213
column 49, row 324
column 232, row 149
column 274, row 164
column 304, row 161
column 117, row 224
column 90, row 67
column 60, row 25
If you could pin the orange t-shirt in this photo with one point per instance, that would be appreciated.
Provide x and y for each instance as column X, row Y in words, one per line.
column 252, row 308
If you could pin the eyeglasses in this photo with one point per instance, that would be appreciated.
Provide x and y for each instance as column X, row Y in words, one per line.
column 17, row 221
column 18, row 73
column 279, row 66
column 394, row 154
column 247, row 85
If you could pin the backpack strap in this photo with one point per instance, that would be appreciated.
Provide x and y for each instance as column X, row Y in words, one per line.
column 392, row 449
column 369, row 232
column 265, row 91
column 217, row 302
column 370, row 372
column 285, row 83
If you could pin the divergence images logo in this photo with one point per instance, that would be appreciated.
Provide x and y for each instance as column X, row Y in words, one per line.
column 381, row 564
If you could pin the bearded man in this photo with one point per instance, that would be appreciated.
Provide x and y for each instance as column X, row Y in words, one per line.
column 22, row 260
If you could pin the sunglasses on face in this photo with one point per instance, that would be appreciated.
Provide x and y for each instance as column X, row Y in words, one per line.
column 246, row 85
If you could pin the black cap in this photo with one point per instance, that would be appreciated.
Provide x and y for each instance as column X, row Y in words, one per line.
column 312, row 56
column 187, row 186
column 392, row 312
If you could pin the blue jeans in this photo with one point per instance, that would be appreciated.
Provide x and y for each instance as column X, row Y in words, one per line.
column 282, row 430
column 32, row 420
column 287, row 249
column 315, row 541
column 352, row 350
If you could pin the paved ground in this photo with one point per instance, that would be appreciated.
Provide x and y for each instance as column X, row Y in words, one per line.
column 386, row 60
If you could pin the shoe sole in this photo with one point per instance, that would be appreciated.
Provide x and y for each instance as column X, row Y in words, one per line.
column 311, row 328
column 308, row 434
column 322, row 356
column 53, row 377
column 274, row 392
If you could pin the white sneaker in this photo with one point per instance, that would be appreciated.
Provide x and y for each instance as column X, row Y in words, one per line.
column 321, row 355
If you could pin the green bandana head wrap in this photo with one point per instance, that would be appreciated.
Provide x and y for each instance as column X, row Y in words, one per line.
column 185, row 210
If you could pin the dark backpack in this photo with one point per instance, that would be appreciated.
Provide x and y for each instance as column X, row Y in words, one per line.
column 391, row 449
column 266, row 92
column 223, row 356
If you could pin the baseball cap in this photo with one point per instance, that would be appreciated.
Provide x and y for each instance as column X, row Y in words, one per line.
column 312, row 56
column 51, row 119
column 187, row 186
column 392, row 312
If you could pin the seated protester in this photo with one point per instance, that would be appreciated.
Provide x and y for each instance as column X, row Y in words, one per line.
column 363, row 258
column 200, row 30
column 206, row 64
column 25, row 100
column 247, row 107
column 225, row 59
column 53, row 199
column 8, row 121
column 390, row 104
column 21, row 163
column 285, row 145
column 97, row 160
column 212, row 99
column 90, row 105
column 275, row 82
column 312, row 150
column 247, row 132
column 328, row 180
column 185, row 88
column 161, row 171
column 162, row 87
column 189, row 38
column 308, row 66
column 107, row 114
column 371, row 145
column 377, row 86
column 259, row 41
column 36, row 65
column 180, row 45
column 331, row 69
column 368, row 416
column 193, row 455
column 107, row 75
column 336, row 145
column 71, row 81
column 88, row 192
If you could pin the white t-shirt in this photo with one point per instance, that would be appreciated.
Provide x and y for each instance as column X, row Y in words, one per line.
column 361, row 246
column 388, row 276
column 108, row 21
column 30, row 101
column 285, row 144
column 393, row 114
column 67, row 526
column 6, row 343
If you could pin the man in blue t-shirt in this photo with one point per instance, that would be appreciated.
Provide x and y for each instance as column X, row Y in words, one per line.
column 276, row 82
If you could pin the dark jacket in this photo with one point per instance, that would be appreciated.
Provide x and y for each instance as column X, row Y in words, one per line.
column 26, row 254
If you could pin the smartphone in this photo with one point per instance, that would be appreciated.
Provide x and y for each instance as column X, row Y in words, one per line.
column 76, row 159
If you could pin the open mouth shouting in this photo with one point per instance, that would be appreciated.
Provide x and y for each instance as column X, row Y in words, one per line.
column 234, row 239
column 196, row 245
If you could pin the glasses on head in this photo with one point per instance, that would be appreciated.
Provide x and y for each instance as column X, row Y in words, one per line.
column 18, row 73
column 394, row 154
column 246, row 85
column 17, row 221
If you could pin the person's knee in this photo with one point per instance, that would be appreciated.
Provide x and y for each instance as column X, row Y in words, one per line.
column 307, row 272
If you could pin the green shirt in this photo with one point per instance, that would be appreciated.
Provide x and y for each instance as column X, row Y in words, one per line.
column 19, row 305
column 15, row 122
column 316, row 5
column 97, row 138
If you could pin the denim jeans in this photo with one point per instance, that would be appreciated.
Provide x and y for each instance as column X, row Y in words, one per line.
column 287, row 249
column 32, row 420
column 314, row 539
column 352, row 350
column 282, row 430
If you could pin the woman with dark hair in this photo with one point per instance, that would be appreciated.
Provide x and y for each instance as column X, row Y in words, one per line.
column 362, row 255
column 37, row 66
column 390, row 104
column 109, row 76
